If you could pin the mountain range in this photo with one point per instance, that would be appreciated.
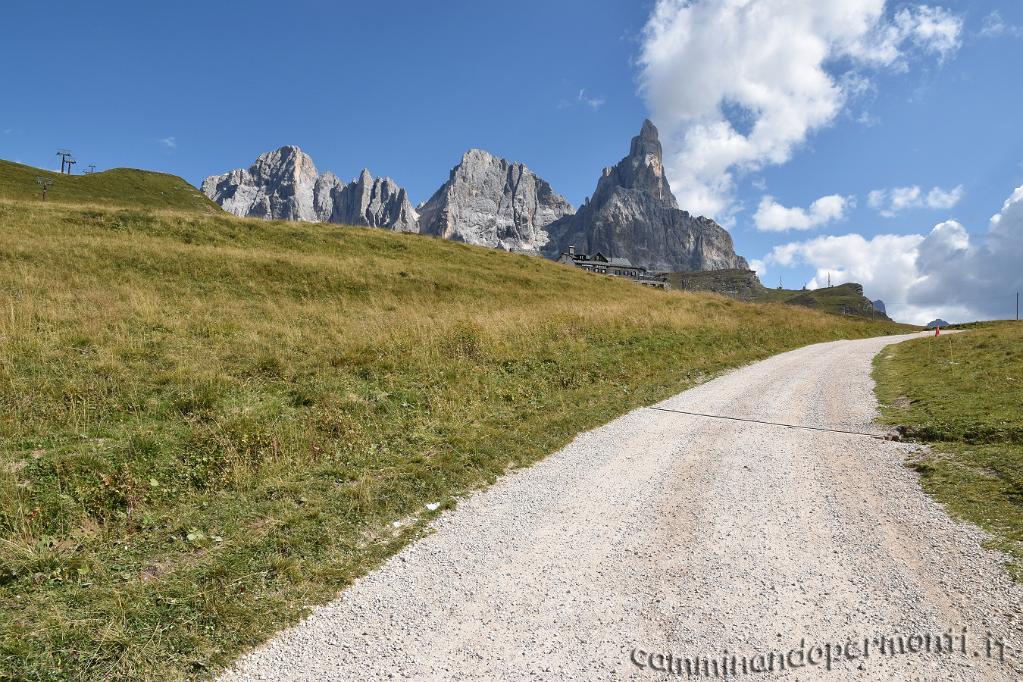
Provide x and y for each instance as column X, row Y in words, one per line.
column 489, row 201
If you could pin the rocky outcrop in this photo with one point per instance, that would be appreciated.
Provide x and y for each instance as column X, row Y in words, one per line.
column 489, row 201
column 634, row 215
column 279, row 186
column 879, row 306
column 284, row 185
column 743, row 285
column 376, row 202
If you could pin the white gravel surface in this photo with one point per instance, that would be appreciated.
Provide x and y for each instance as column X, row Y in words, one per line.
column 665, row 533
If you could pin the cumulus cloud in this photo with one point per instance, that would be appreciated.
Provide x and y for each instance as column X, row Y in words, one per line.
column 758, row 266
column 888, row 202
column 736, row 85
column 920, row 277
column 773, row 217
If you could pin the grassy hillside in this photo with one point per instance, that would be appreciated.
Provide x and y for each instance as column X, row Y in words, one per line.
column 843, row 299
column 962, row 394
column 117, row 187
column 208, row 424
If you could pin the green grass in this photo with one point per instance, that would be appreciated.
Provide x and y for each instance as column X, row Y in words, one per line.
column 118, row 187
column 842, row 299
column 963, row 394
column 208, row 424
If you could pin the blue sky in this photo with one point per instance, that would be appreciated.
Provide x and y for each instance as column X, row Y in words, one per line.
column 834, row 99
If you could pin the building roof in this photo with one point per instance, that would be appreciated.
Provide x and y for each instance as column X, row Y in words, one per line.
column 598, row 257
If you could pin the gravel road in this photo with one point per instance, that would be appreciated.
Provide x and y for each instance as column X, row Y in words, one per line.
column 669, row 533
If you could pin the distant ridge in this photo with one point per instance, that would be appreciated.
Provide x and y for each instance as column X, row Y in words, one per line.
column 490, row 201
column 744, row 285
column 285, row 185
column 116, row 187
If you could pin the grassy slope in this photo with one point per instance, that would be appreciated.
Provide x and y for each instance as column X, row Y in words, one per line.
column 741, row 284
column 208, row 424
column 963, row 394
column 839, row 299
column 117, row 187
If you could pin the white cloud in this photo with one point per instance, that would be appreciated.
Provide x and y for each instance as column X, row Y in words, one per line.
column 590, row 101
column 868, row 119
column 995, row 27
column 582, row 98
column 765, row 62
column 758, row 266
column 168, row 142
column 888, row 202
column 933, row 29
column 920, row 277
column 773, row 217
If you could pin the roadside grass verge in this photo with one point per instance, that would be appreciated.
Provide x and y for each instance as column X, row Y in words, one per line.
column 208, row 424
column 963, row 395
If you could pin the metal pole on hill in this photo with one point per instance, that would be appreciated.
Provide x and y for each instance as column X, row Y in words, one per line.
column 64, row 155
column 45, row 184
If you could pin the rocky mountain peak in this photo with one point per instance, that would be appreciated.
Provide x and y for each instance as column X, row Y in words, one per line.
column 633, row 214
column 284, row 185
column 278, row 185
column 642, row 170
column 490, row 201
column 647, row 143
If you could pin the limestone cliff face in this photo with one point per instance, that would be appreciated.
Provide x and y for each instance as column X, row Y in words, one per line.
column 284, row 185
column 376, row 202
column 279, row 186
column 634, row 215
column 489, row 201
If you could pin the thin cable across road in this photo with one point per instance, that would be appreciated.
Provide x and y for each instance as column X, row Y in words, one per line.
column 770, row 423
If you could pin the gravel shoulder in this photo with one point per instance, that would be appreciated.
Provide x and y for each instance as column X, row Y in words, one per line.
column 669, row 533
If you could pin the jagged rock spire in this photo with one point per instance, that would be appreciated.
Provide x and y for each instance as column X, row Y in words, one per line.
column 284, row 185
column 633, row 214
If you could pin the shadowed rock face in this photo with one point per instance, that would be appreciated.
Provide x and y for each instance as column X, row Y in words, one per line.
column 491, row 202
column 634, row 215
column 284, row 185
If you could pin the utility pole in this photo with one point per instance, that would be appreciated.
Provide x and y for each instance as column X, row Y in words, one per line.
column 92, row 168
column 64, row 155
column 1017, row 306
column 70, row 162
column 45, row 184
